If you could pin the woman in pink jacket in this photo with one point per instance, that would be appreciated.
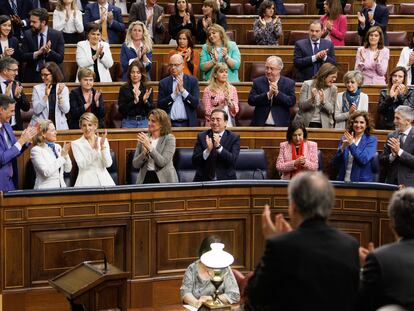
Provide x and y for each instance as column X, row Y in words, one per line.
column 334, row 22
column 297, row 153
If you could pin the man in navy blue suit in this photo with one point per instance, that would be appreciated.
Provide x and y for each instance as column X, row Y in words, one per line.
column 216, row 150
column 18, row 10
column 40, row 44
column 272, row 95
column 372, row 14
column 311, row 53
column 102, row 12
column 178, row 94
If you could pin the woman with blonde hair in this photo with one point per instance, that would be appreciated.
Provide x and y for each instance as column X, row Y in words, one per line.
column 219, row 49
column 220, row 94
column 137, row 46
column 68, row 19
column 92, row 155
column 155, row 150
column 49, row 159
column 211, row 15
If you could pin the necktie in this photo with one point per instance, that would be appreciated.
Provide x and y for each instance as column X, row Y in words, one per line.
column 316, row 64
column 315, row 48
column 104, row 25
column 52, row 146
column 6, row 139
column 402, row 139
column 14, row 6
column 41, row 60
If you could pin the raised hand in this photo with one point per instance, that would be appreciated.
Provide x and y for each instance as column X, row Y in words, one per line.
column 103, row 139
column 352, row 108
column 48, row 88
column 270, row 228
column 149, row 18
column 60, row 88
column 159, row 20
column 65, row 149
column 110, row 17
column 96, row 97
column 8, row 51
column 18, row 90
column 209, row 143
column 394, row 144
column 361, row 18
column 8, row 89
column 28, row 134
column 144, row 140
column 147, row 94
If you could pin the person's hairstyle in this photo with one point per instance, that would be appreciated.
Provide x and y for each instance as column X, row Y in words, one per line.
column 396, row 69
column 406, row 112
column 401, row 212
column 212, row 82
column 316, row 22
column 225, row 115
column 266, row 4
column 326, row 70
column 293, row 127
column 176, row 8
column 57, row 75
column 41, row 13
column 92, row 27
column 60, row 6
column 205, row 244
column 44, row 126
column 3, row 19
column 354, row 75
column 6, row 62
column 312, row 194
column 146, row 38
column 222, row 33
column 189, row 37
column 368, row 121
column 212, row 4
column 136, row 63
column 88, row 117
column 85, row 73
column 276, row 59
column 335, row 8
column 381, row 37
column 5, row 101
column 162, row 117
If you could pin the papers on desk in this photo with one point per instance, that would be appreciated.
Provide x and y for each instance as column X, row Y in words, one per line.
column 191, row 308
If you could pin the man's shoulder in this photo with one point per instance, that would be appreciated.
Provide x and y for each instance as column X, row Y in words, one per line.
column 232, row 134
column 286, row 80
column 90, row 6
column 165, row 80
column 260, row 80
column 302, row 42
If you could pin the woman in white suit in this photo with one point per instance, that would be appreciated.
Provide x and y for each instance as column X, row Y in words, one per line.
column 95, row 54
column 92, row 154
column 50, row 99
column 49, row 159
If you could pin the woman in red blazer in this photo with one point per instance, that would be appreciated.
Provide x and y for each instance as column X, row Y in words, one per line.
column 297, row 153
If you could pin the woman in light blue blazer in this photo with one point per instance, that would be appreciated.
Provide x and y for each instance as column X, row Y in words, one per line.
column 356, row 150
column 219, row 49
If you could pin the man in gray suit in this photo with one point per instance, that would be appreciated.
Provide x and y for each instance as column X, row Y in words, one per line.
column 398, row 155
column 151, row 14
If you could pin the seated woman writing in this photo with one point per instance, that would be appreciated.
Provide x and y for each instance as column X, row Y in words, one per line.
column 297, row 153
column 197, row 288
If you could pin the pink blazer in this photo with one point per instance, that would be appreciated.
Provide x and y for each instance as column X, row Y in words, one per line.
column 284, row 163
column 212, row 101
column 373, row 71
column 339, row 28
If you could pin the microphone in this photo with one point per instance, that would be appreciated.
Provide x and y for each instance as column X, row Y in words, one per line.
column 105, row 269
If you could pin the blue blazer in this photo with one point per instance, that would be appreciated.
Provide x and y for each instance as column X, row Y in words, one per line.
column 279, row 105
column 92, row 14
column 129, row 53
column 165, row 100
column 363, row 155
column 8, row 161
column 302, row 57
column 222, row 163
column 381, row 15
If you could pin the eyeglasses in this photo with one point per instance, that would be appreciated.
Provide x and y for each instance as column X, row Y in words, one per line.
column 176, row 65
column 13, row 69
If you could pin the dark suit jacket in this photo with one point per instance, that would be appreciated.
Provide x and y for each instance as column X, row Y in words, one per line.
column 381, row 15
column 388, row 277
column 279, row 105
column 387, row 105
column 223, row 164
column 401, row 170
column 126, row 105
column 137, row 13
column 302, row 57
column 31, row 45
column 23, row 9
column 313, row 267
column 165, row 100
column 115, row 29
column 14, row 43
column 77, row 107
column 21, row 104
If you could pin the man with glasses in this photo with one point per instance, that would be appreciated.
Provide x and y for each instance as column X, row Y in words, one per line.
column 9, row 69
column 178, row 94
column 272, row 95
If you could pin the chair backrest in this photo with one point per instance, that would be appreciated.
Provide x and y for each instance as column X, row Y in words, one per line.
column 352, row 38
column 230, row 35
column 250, row 37
column 391, row 9
column 245, row 115
column 183, row 164
column 236, row 9
column 406, row 8
column 131, row 171
column 249, row 9
column 113, row 169
column 169, row 8
column 296, row 35
column 294, row 8
column 320, row 160
column 251, row 164
column 397, row 38
column 256, row 70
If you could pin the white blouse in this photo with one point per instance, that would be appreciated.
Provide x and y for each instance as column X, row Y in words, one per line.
column 73, row 25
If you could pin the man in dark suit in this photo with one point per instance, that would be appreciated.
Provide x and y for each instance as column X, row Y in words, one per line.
column 387, row 276
column 178, row 94
column 372, row 14
column 398, row 155
column 216, row 150
column 18, row 10
column 40, row 44
column 9, row 68
column 272, row 95
column 151, row 14
column 10, row 147
column 311, row 53
column 110, row 18
column 311, row 267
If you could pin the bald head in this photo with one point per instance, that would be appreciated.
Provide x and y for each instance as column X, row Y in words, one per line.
column 176, row 64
